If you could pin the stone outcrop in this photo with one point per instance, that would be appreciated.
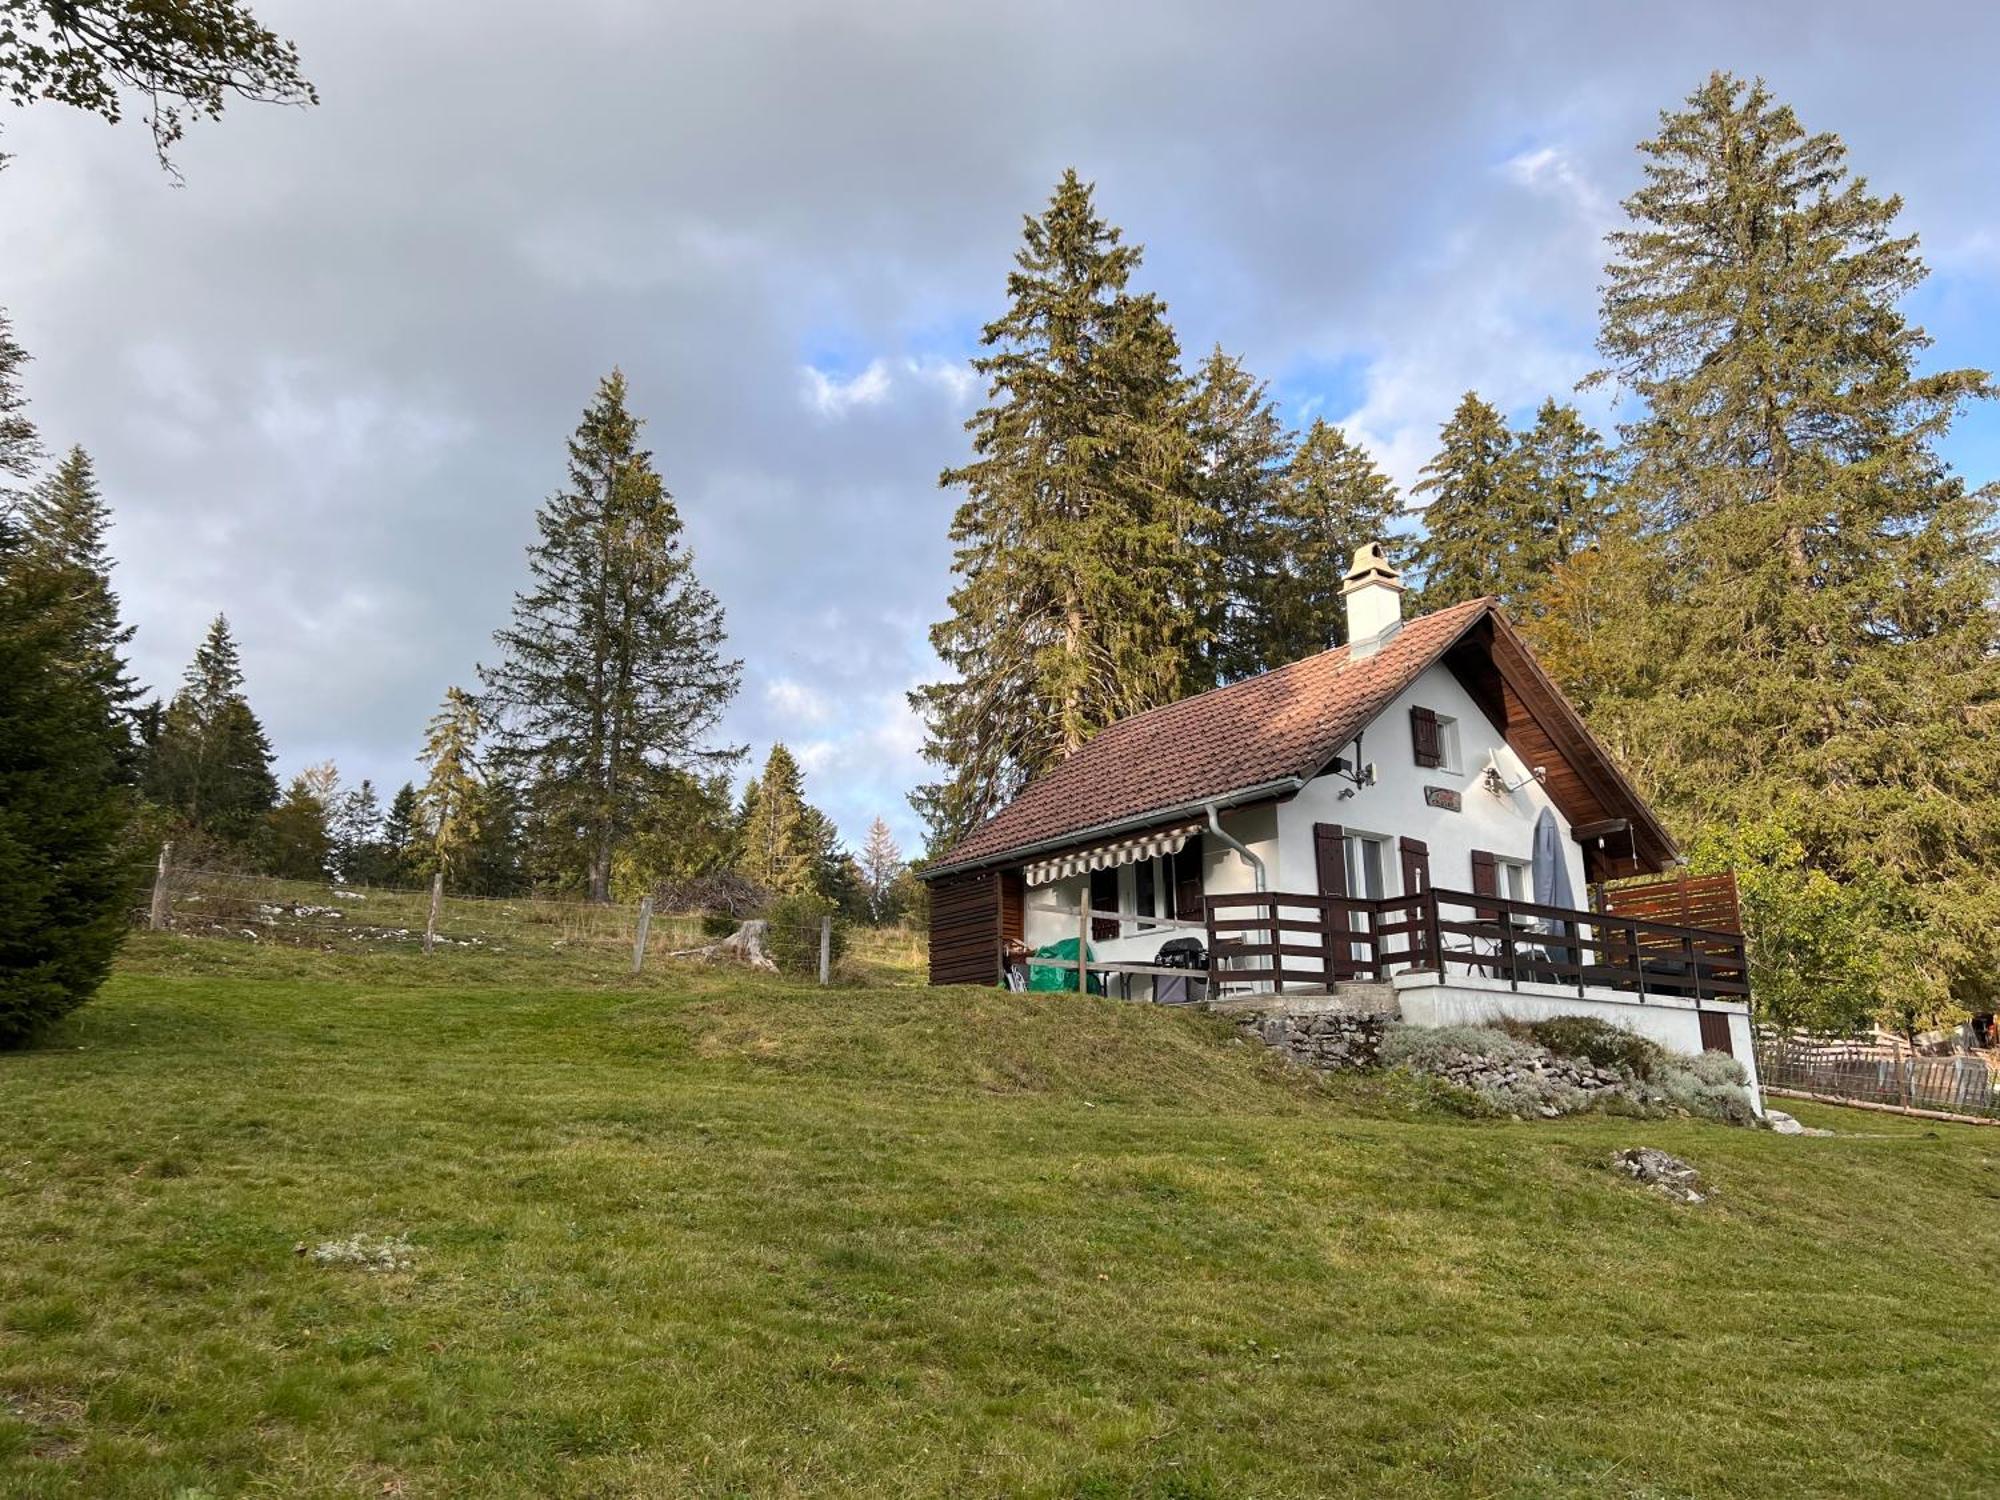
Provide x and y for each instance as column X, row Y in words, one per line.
column 1334, row 1032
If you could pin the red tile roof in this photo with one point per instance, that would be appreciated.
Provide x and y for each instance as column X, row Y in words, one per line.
column 1287, row 723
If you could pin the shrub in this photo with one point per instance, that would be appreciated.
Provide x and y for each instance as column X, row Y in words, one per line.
column 1710, row 1085
column 719, row 924
column 1433, row 1049
column 1598, row 1042
column 793, row 941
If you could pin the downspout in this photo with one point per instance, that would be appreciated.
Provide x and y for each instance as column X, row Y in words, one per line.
column 1215, row 827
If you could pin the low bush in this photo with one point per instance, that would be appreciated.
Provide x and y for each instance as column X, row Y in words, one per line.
column 1596, row 1041
column 719, row 924
column 793, row 941
column 1710, row 1084
column 1433, row 1049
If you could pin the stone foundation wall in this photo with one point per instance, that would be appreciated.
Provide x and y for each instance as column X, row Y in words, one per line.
column 1330, row 1038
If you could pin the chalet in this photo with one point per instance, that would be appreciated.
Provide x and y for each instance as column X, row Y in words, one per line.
column 1420, row 809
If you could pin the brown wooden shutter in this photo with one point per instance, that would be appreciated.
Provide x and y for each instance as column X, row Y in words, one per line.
column 1485, row 882
column 1416, row 866
column 1330, row 857
column 1424, row 737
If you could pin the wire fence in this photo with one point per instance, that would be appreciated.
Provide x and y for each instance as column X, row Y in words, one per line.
column 1883, row 1072
column 337, row 916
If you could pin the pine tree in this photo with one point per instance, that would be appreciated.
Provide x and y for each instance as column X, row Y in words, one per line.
column 66, row 875
column 881, row 863
column 20, row 449
column 1566, row 472
column 1073, row 553
column 402, row 838
column 1333, row 500
column 1240, row 467
column 613, row 670
column 211, row 761
column 358, row 855
column 301, row 843
column 66, row 872
column 778, row 842
column 1478, row 512
column 451, row 799
column 495, row 865
column 1827, row 657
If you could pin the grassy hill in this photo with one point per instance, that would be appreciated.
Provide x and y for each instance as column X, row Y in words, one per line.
column 714, row 1235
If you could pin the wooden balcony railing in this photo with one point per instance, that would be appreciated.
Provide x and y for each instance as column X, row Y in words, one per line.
column 1289, row 940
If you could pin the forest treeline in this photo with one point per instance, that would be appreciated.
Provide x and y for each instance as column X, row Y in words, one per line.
column 1764, row 589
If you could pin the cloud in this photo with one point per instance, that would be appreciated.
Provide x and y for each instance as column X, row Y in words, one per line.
column 329, row 381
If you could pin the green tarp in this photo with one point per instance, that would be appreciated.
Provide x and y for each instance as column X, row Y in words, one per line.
column 1043, row 977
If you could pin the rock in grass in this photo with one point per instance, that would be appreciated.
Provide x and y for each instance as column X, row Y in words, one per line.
column 1665, row 1174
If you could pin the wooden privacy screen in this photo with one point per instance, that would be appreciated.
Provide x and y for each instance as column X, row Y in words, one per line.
column 1685, row 901
column 970, row 914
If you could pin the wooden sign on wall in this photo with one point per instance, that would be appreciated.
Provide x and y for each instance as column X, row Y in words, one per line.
column 1444, row 797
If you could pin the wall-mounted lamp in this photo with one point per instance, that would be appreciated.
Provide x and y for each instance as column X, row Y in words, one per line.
column 1355, row 770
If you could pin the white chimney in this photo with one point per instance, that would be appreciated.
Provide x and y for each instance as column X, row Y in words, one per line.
column 1374, row 594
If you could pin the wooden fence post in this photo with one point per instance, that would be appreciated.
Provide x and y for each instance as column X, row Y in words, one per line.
column 825, row 950
column 161, row 912
column 1083, row 941
column 437, row 900
column 645, row 928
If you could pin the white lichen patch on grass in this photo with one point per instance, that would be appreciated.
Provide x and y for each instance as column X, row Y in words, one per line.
column 367, row 1252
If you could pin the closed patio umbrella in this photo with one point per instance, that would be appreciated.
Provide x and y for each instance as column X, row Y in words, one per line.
column 1551, row 872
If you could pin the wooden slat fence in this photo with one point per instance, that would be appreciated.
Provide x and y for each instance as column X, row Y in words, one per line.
column 1871, row 1072
column 1705, row 901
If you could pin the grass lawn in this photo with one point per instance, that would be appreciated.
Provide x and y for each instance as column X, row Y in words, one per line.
column 710, row 1234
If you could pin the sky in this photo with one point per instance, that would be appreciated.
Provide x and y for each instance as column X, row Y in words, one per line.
column 327, row 381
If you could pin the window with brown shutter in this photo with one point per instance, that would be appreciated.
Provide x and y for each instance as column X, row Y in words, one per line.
column 1424, row 737
column 1485, row 882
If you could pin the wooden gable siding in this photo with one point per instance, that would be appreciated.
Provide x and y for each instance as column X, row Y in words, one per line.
column 1510, row 690
column 970, row 915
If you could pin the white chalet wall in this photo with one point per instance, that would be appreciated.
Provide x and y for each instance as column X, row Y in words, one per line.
column 1395, row 808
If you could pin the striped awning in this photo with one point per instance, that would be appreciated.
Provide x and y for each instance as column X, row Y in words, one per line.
column 1108, row 856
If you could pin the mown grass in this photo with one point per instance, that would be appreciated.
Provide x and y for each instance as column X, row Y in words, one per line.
column 706, row 1234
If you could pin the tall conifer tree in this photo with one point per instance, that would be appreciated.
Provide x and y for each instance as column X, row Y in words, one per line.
column 1071, row 607
column 779, row 839
column 1478, row 509
column 1241, row 450
column 1828, row 653
column 1333, row 500
column 211, row 761
column 613, row 668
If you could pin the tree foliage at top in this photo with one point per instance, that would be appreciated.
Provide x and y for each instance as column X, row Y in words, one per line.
column 777, row 838
column 65, row 520
column 613, row 674
column 184, row 57
column 1476, row 509
column 451, row 800
column 1822, row 646
column 1072, row 554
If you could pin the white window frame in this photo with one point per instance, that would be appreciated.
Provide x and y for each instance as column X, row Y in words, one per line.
column 1448, row 757
column 1513, row 879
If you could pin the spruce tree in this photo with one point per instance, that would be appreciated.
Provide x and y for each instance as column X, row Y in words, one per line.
column 779, row 842
column 65, row 520
column 613, row 672
column 211, row 761
column 301, row 841
column 1478, row 510
column 358, row 856
column 1241, row 453
column 1333, row 500
column 1073, row 550
column 66, row 875
column 402, row 838
column 452, row 798
column 20, row 449
column 1827, row 657
column 1567, row 475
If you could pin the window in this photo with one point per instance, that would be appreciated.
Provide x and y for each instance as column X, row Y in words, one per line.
column 1513, row 878
column 1434, row 739
column 1366, row 861
column 1142, row 900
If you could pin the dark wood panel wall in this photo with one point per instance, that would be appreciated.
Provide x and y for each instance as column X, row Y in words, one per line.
column 970, row 915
